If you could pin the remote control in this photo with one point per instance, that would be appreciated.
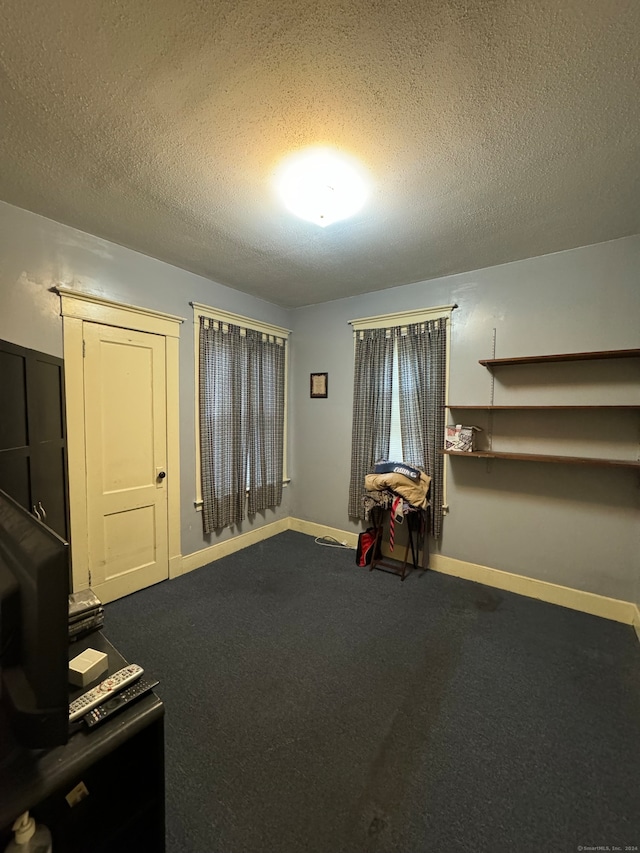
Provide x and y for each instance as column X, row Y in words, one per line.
column 120, row 701
column 97, row 695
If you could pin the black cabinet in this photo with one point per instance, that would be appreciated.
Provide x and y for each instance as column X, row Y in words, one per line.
column 33, row 454
column 119, row 766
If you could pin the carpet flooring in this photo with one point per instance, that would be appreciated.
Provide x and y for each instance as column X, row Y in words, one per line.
column 314, row 706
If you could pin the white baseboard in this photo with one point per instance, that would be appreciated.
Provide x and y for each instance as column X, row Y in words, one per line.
column 230, row 546
column 243, row 540
column 313, row 529
column 576, row 599
column 565, row 596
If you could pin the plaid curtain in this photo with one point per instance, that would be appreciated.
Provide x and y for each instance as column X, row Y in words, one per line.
column 372, row 378
column 241, row 422
column 224, row 424
column 266, row 408
column 422, row 377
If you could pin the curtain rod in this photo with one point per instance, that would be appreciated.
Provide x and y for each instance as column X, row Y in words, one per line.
column 239, row 320
column 396, row 318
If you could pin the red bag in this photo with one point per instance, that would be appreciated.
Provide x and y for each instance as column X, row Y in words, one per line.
column 366, row 544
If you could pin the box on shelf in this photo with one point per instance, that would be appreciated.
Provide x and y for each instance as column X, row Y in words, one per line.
column 87, row 667
column 459, row 437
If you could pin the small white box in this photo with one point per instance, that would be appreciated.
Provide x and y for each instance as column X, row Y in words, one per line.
column 460, row 438
column 87, row 666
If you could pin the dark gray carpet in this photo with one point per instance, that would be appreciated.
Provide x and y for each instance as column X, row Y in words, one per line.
column 314, row 706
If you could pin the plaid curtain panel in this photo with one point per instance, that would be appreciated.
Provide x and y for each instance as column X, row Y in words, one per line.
column 371, row 429
column 422, row 376
column 241, row 422
column 266, row 433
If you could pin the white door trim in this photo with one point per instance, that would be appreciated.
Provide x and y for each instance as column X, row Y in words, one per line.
column 78, row 308
column 108, row 312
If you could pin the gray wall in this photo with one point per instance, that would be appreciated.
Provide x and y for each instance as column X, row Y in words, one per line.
column 37, row 253
column 575, row 526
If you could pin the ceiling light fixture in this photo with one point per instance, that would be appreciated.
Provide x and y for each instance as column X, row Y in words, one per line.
column 321, row 185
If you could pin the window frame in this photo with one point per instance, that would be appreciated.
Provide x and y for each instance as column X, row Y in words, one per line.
column 407, row 318
column 224, row 317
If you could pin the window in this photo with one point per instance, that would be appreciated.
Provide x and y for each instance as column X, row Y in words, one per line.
column 395, row 439
column 241, row 377
column 400, row 381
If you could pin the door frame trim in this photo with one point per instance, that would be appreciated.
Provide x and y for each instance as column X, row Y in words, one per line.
column 76, row 309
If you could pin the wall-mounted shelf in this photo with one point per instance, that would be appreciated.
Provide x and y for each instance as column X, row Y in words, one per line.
column 541, row 408
column 491, row 363
column 564, row 356
column 539, row 457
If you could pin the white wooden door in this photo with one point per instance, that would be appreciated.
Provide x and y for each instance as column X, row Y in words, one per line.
column 126, row 451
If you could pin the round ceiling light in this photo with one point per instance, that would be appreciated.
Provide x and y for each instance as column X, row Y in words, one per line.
column 322, row 186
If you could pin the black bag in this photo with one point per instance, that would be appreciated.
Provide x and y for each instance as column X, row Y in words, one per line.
column 366, row 545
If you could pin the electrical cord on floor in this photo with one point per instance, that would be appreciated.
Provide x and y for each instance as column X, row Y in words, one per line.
column 330, row 542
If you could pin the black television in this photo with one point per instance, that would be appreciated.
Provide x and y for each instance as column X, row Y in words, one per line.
column 34, row 633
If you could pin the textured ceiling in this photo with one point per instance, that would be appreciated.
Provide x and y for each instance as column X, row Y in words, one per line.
column 492, row 130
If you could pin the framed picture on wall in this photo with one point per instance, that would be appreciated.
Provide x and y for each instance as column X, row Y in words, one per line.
column 319, row 385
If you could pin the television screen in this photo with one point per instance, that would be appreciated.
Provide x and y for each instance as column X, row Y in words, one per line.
column 34, row 612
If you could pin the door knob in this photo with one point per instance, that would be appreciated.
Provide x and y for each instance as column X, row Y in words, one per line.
column 162, row 475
